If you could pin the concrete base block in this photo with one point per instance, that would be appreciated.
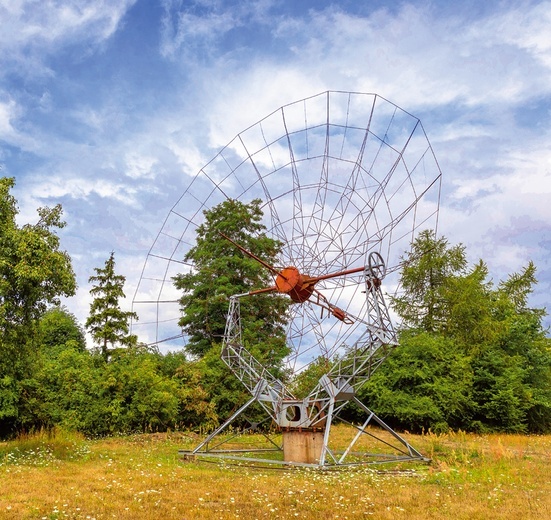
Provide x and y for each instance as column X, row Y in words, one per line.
column 302, row 446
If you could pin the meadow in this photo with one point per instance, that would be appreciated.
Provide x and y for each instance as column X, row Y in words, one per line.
column 65, row 476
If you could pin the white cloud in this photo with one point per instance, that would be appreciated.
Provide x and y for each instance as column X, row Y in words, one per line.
column 412, row 58
column 140, row 166
column 505, row 217
column 58, row 187
column 36, row 23
column 199, row 25
column 8, row 111
column 421, row 60
column 526, row 28
column 33, row 28
column 483, row 71
column 11, row 113
column 253, row 95
column 465, row 79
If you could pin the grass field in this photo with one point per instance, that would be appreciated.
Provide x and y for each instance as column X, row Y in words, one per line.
column 142, row 477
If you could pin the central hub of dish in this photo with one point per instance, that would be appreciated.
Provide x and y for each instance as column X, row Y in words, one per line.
column 290, row 281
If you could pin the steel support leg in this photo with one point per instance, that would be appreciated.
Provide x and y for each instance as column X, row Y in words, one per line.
column 225, row 424
column 411, row 450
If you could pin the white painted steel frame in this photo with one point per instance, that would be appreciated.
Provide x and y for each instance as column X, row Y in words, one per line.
column 333, row 392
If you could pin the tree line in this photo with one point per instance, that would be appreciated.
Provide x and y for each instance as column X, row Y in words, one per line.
column 473, row 355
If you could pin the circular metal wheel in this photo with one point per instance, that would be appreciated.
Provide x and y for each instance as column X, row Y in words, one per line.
column 346, row 179
column 376, row 265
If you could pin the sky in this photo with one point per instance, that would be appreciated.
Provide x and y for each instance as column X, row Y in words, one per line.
column 111, row 107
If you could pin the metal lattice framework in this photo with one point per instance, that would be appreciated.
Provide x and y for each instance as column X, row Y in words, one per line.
column 347, row 180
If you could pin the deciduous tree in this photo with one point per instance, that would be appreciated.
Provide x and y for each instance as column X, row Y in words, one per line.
column 34, row 273
column 59, row 326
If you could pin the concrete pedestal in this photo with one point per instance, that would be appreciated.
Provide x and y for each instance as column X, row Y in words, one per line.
column 302, row 446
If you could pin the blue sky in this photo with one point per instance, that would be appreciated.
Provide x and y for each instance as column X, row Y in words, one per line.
column 109, row 108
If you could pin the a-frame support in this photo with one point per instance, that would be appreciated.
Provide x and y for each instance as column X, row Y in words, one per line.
column 311, row 420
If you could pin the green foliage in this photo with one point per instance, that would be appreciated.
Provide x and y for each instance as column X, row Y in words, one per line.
column 468, row 308
column 426, row 383
column 476, row 356
column 137, row 390
column 500, row 391
column 67, row 391
column 220, row 270
column 108, row 323
column 34, row 273
column 9, row 400
column 225, row 391
column 307, row 379
column 138, row 396
column 78, row 390
column 429, row 266
column 58, row 326
column 197, row 406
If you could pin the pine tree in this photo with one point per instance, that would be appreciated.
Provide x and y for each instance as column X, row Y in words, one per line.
column 108, row 323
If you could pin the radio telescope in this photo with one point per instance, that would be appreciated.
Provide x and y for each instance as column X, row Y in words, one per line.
column 347, row 180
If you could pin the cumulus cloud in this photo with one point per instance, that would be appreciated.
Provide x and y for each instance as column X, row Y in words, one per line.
column 426, row 60
column 10, row 114
column 481, row 86
column 526, row 27
column 470, row 82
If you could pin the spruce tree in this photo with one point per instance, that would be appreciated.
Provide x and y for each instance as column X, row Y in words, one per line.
column 221, row 270
column 108, row 323
column 429, row 267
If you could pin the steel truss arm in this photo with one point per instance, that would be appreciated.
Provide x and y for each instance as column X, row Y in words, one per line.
column 267, row 389
column 367, row 353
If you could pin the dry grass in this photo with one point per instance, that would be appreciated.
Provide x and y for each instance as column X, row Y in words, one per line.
column 142, row 477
